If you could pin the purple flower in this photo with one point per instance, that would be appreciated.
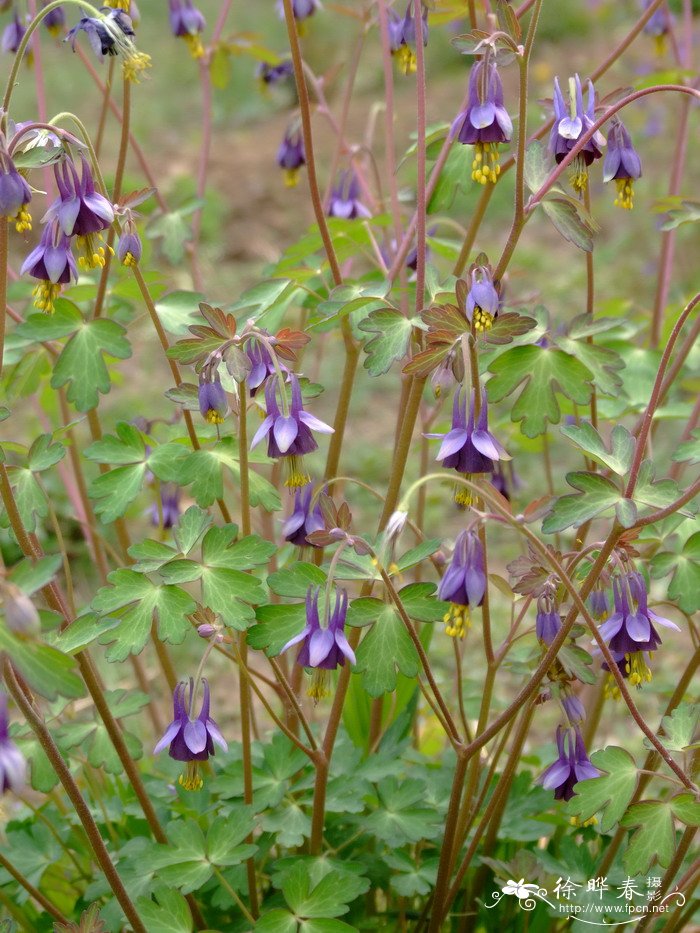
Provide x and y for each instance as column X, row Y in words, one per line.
column 469, row 447
column 547, row 620
column 262, row 365
column 485, row 123
column 168, row 513
column 273, row 74
column 288, row 432
column 658, row 25
column 573, row 707
column 304, row 519
column 345, row 198
column 213, row 403
column 402, row 36
column 187, row 22
column 483, row 300
column 599, row 604
column 463, row 584
column 291, row 156
column 191, row 740
column 572, row 765
column 13, row 767
column 323, row 648
column 630, row 632
column 301, row 9
column 55, row 21
column 51, row 262
column 622, row 164
column 129, row 248
column 506, row 485
column 13, row 34
column 15, row 194
column 569, row 124
column 106, row 34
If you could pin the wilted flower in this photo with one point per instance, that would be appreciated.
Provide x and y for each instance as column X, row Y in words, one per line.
column 463, row 584
column 622, row 164
column 13, row 767
column 213, row 403
column 572, row 765
column 402, row 36
column 483, row 300
column 15, row 194
column 469, row 447
column 112, row 34
column 53, row 263
column 485, row 123
column 13, row 34
column 658, row 25
column 324, row 648
column 81, row 211
column 630, row 632
column 269, row 74
column 167, row 514
column 569, row 125
column 345, row 198
column 187, row 22
column 55, row 21
column 304, row 520
column 288, row 432
column 291, row 156
column 191, row 740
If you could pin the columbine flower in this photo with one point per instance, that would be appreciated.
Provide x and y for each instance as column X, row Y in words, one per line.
column 81, row 211
column 262, row 365
column 569, row 124
column 599, row 604
column 468, row 447
column 51, row 262
column 21, row 615
column 485, row 123
column 622, row 164
column 658, row 26
column 463, row 584
column 129, row 248
column 572, row 765
column 402, row 36
column 55, row 21
column 15, row 194
column 191, row 740
column 483, row 301
column 112, row 34
column 301, row 9
column 630, row 632
column 291, row 156
column 289, row 434
column 304, row 520
column 187, row 22
column 269, row 74
column 13, row 34
column 213, row 403
column 573, row 707
column 167, row 514
column 324, row 648
column 13, row 767
column 345, row 198
column 547, row 620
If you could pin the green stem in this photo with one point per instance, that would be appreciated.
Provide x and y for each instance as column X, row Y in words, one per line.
column 687, row 839
column 76, row 798
column 4, row 225
column 227, row 887
column 31, row 890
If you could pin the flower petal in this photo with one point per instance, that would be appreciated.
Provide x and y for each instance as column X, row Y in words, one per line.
column 262, row 431
column 285, row 431
column 195, row 735
column 452, row 442
column 315, row 423
column 342, row 642
column 320, row 645
column 168, row 736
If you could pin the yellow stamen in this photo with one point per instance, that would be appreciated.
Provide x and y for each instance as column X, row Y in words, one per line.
column 45, row 294
column 23, row 220
column 485, row 167
column 481, row 319
column 578, row 175
column 194, row 44
column 612, row 691
column 625, row 194
column 191, row 779
column 91, row 253
column 407, row 59
column 129, row 259
column 214, row 417
column 319, row 687
column 575, row 821
column 296, row 475
column 291, row 177
column 134, row 66
column 457, row 620
column 660, row 44
column 637, row 669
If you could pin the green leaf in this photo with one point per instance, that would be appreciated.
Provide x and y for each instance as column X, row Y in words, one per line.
column 544, row 370
column 654, row 493
column 420, row 602
column 29, row 496
column 392, row 336
column 402, row 816
column 169, row 915
column 680, row 727
column 595, row 495
column 536, row 167
column 570, row 218
column 611, row 792
column 618, row 459
column 275, row 626
column 32, row 575
column 116, row 490
column 384, row 650
column 418, row 553
column 192, row 525
column 277, row 921
column 603, row 363
column 689, row 451
column 295, row 580
column 139, row 603
column 226, row 589
column 414, row 878
column 655, row 838
column 47, row 671
column 44, row 454
column 684, row 587
column 178, row 310
column 204, row 470
column 128, row 446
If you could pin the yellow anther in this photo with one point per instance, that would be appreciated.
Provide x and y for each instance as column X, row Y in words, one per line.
column 481, row 319
column 319, row 686
column 214, row 417
column 291, row 177
column 625, row 194
column 134, row 66
column 191, row 779
column 23, row 220
column 45, row 293
column 296, row 475
column 485, row 167
column 407, row 59
column 194, row 44
column 457, row 620
column 129, row 259
column 578, row 175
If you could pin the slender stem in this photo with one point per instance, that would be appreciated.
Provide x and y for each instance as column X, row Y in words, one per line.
column 4, row 229
column 449, row 841
column 421, row 158
column 204, row 156
column 687, row 839
column 232, row 893
column 104, row 109
column 473, row 228
column 76, row 798
column 289, row 693
column 389, row 117
column 31, row 890
column 352, row 357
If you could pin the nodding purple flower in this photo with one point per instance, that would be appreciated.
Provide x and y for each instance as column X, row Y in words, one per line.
column 302, row 9
column 291, row 156
column 658, row 26
column 191, row 740
column 599, row 604
column 167, row 514
column 569, row 124
column 622, row 164
column 13, row 767
column 443, row 377
column 213, row 403
column 485, row 123
column 547, row 620
column 402, row 36
column 53, row 263
column 129, row 248
column 288, row 432
column 187, row 22
column 505, row 484
column 15, row 194
column 572, row 765
column 323, row 648
column 55, row 21
column 345, row 198
column 573, row 707
column 483, row 300
column 304, row 520
column 13, row 34
column 105, row 34
column 262, row 365
column 463, row 584
column 269, row 74
column 630, row 632
column 469, row 447
column 81, row 211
